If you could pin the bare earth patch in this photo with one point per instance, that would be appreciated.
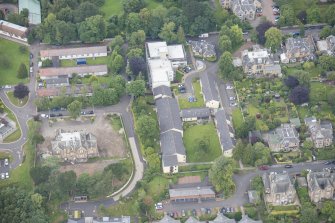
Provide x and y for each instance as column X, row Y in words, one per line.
column 110, row 142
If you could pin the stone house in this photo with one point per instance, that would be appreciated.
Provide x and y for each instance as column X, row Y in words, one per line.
column 259, row 62
column 283, row 138
column 320, row 185
column 244, row 9
column 321, row 132
column 327, row 46
column 279, row 189
column 74, row 146
column 299, row 49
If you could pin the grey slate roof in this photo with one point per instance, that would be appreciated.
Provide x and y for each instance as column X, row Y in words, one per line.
column 246, row 219
column 208, row 87
column 194, row 191
column 222, row 219
column 170, row 160
column 168, row 219
column 222, row 127
column 172, row 143
column 191, row 219
column 162, row 91
column 168, row 114
column 59, row 80
column 195, row 112
column 320, row 180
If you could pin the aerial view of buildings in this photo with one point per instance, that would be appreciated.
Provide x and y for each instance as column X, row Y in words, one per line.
column 167, row 111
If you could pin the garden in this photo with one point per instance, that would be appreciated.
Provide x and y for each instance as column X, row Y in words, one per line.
column 8, row 65
column 89, row 61
column 266, row 101
column 201, row 142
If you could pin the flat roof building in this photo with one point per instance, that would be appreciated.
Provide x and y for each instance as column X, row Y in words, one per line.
column 191, row 194
column 13, row 31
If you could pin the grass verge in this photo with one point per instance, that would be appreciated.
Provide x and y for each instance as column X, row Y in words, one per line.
column 15, row 101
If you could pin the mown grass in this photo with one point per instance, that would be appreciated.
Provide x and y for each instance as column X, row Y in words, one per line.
column 207, row 133
column 15, row 135
column 89, row 61
column 15, row 101
column 15, row 56
column 184, row 103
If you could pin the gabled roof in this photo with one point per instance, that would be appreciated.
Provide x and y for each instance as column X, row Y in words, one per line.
column 225, row 135
column 246, row 219
column 168, row 115
column 172, row 143
column 195, row 113
column 169, row 160
column 192, row 219
column 58, row 71
column 168, row 219
column 208, row 87
column 320, row 180
column 73, row 51
column 13, row 28
column 162, row 91
column 59, row 80
column 222, row 219
column 295, row 45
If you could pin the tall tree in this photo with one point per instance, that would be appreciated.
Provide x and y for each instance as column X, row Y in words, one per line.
column 261, row 29
column 299, row 95
column 330, row 15
column 136, row 88
column 222, row 182
column 146, row 127
column 137, row 39
column 226, row 66
column 313, row 15
column 273, row 38
column 287, row 17
column 181, row 35
column 137, row 65
column 168, row 32
column 85, row 10
column 93, row 29
column 21, row 91
column 74, row 109
column 22, row 72
column 132, row 5
column 225, row 43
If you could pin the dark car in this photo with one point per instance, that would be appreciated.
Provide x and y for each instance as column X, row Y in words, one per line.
column 333, row 162
column 328, row 162
column 288, row 166
column 223, row 210
column 263, row 167
column 52, row 115
column 90, row 112
column 60, row 114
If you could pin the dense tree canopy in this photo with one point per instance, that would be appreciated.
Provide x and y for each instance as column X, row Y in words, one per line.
column 291, row 82
column 273, row 38
column 299, row 95
column 74, row 109
column 21, row 91
column 261, row 29
column 136, row 88
column 222, row 182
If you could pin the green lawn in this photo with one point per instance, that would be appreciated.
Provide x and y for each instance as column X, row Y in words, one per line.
column 237, row 118
column 16, row 101
column 193, row 136
column 112, row 7
column 90, row 61
column 151, row 4
column 11, row 53
column 184, row 103
column 158, row 186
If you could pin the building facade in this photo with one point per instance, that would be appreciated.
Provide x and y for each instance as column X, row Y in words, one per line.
column 299, row 49
column 283, row 138
column 320, row 185
column 74, row 53
column 321, row 132
column 13, row 31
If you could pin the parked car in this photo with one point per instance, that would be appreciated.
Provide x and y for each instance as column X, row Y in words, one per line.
column 232, row 104
column 232, row 98
column 328, row 163
column 6, row 162
column 7, row 175
column 159, row 206
column 223, row 210
column 229, row 87
column 263, row 167
column 183, row 214
column 52, row 115
column 83, row 113
column 44, row 116
column 2, row 176
column 288, row 166
column 60, row 115
column 90, row 112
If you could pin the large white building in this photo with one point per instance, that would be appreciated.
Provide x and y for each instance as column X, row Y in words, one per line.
column 162, row 61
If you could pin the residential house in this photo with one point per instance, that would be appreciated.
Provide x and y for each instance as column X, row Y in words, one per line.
column 321, row 132
column 162, row 91
column 203, row 49
column 13, row 31
column 191, row 194
column 74, row 53
column 171, row 130
column 192, row 219
column 57, row 82
column 55, row 72
column 299, row 49
column 173, row 151
column 167, row 219
column 259, row 62
column 321, row 185
column 7, row 127
column 209, row 91
column 220, row 218
column 244, row 9
column 194, row 114
column 162, row 61
column 225, row 132
column 34, row 8
column 327, row 46
column 74, row 90
column 246, row 219
column 283, row 138
column 74, row 146
column 279, row 189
